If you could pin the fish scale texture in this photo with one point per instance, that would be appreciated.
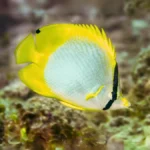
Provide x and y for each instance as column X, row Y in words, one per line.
column 76, row 69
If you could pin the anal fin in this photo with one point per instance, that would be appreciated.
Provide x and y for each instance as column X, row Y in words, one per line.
column 71, row 105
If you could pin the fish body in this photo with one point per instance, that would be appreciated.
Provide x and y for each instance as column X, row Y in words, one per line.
column 75, row 64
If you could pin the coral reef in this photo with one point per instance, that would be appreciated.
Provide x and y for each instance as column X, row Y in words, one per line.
column 39, row 123
column 32, row 122
column 132, row 7
column 140, row 93
column 42, row 123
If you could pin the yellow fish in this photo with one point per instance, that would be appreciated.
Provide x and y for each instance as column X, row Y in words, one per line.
column 75, row 64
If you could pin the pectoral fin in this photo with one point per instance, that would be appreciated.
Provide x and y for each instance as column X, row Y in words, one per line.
column 92, row 95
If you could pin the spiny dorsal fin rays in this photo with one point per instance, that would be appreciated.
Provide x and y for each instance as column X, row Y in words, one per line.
column 97, row 29
column 108, row 42
column 92, row 28
column 102, row 35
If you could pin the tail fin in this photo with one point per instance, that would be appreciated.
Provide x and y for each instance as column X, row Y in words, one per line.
column 26, row 51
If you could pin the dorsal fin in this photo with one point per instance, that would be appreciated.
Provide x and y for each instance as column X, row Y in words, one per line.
column 102, row 36
column 51, row 37
column 100, row 33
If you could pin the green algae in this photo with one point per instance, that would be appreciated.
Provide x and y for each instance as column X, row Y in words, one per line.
column 23, row 135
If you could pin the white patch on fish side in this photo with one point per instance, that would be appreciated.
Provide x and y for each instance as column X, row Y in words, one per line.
column 75, row 69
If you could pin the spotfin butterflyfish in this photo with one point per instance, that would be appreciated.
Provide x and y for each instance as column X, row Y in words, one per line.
column 73, row 63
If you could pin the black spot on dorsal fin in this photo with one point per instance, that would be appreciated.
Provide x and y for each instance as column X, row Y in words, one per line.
column 37, row 31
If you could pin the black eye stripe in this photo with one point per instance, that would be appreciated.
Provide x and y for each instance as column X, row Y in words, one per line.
column 115, row 88
column 115, row 83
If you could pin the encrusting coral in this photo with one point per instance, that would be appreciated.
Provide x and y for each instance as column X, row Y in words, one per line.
column 39, row 123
